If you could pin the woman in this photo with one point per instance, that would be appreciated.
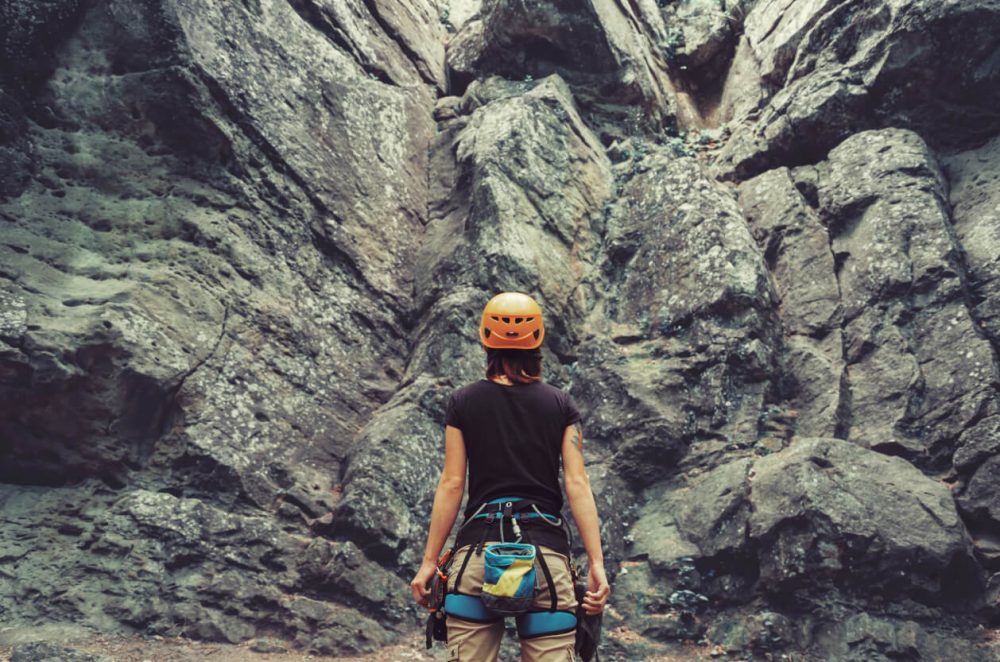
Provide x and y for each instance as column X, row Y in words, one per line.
column 511, row 429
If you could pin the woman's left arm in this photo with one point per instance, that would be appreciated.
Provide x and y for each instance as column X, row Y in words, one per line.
column 447, row 501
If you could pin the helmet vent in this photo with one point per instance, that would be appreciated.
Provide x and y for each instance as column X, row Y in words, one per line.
column 506, row 320
column 512, row 333
column 518, row 320
column 495, row 318
column 529, row 318
column 486, row 332
column 536, row 334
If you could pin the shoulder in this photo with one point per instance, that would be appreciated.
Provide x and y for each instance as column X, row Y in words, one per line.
column 561, row 397
column 464, row 393
column 567, row 405
column 554, row 391
column 467, row 389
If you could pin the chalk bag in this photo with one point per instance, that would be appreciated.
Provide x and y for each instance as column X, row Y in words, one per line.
column 509, row 583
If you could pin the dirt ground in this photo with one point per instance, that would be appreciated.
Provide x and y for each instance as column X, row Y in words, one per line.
column 178, row 649
column 175, row 649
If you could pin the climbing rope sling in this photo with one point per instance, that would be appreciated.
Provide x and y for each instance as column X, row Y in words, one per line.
column 510, row 581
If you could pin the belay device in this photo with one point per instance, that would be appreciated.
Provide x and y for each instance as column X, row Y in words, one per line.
column 437, row 629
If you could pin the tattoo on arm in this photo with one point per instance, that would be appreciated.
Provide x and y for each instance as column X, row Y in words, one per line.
column 579, row 436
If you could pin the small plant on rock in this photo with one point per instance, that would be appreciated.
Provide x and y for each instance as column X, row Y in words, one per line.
column 673, row 44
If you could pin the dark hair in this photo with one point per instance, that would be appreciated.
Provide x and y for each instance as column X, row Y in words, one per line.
column 519, row 365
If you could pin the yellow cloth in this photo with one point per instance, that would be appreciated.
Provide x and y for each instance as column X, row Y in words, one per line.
column 511, row 578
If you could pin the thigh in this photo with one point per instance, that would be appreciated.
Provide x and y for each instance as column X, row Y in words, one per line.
column 474, row 634
column 550, row 636
column 562, row 579
column 469, row 641
column 549, row 648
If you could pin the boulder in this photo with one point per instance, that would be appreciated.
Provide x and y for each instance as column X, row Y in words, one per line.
column 825, row 514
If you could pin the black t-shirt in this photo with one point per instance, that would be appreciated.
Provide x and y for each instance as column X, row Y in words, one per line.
column 513, row 441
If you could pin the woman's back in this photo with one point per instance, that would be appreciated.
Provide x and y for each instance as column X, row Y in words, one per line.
column 513, row 439
column 506, row 442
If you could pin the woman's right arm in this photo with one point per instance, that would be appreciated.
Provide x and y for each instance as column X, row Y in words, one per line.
column 581, row 502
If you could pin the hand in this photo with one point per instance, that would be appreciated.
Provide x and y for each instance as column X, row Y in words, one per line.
column 419, row 585
column 598, row 590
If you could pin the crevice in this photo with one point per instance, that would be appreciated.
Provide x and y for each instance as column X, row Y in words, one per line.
column 415, row 59
column 969, row 291
column 843, row 417
column 934, row 516
column 312, row 15
column 336, row 255
column 180, row 378
column 247, row 128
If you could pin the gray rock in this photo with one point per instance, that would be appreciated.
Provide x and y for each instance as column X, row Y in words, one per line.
column 837, row 68
column 796, row 245
column 15, row 148
column 827, row 514
column 706, row 29
column 973, row 191
column 245, row 247
column 267, row 645
column 30, row 33
column 184, row 319
column 41, row 651
column 875, row 319
column 915, row 383
column 614, row 44
column 763, row 631
column 399, row 43
column 682, row 274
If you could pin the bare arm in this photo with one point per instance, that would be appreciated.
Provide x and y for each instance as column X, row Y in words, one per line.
column 581, row 498
column 581, row 502
column 449, row 493
column 447, row 500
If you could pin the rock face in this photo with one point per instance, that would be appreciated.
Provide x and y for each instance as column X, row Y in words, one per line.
column 245, row 246
column 818, row 71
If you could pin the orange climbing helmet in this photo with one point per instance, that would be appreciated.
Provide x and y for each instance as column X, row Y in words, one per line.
column 512, row 320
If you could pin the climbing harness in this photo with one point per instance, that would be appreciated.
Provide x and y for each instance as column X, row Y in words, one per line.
column 508, row 581
column 513, row 510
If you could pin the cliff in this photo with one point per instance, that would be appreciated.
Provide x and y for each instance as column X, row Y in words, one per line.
column 244, row 247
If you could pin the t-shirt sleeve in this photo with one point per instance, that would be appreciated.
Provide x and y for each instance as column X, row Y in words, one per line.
column 451, row 416
column 572, row 412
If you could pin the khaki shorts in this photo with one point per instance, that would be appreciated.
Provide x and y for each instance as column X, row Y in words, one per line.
column 470, row 641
